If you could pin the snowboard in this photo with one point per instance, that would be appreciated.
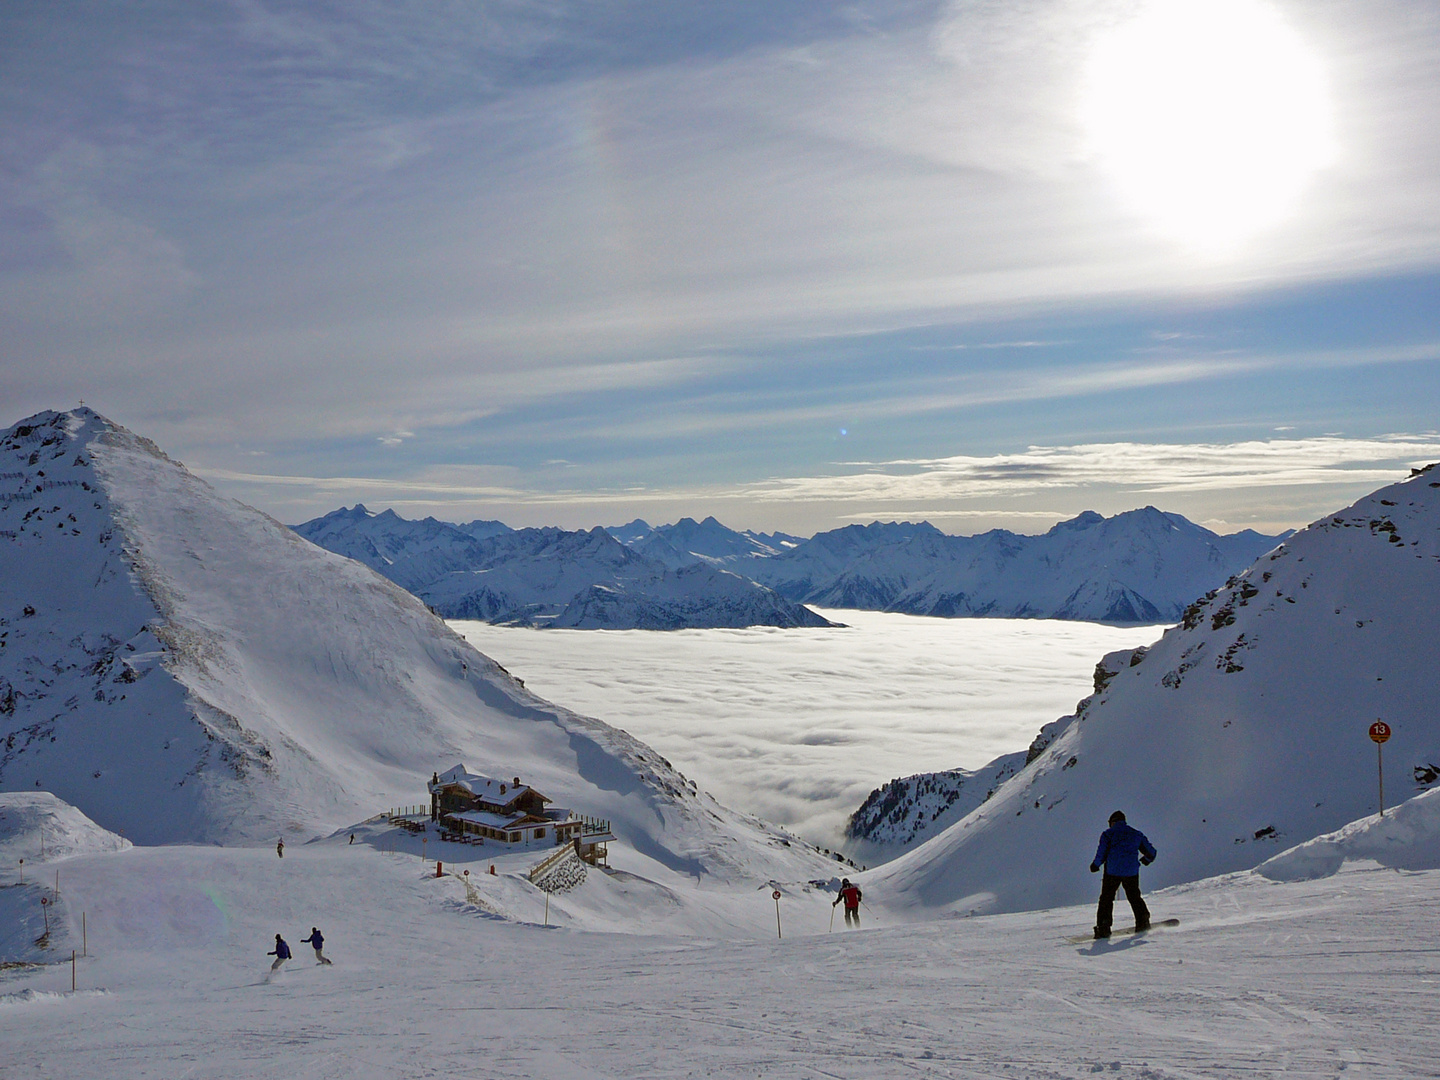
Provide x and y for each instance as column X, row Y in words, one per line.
column 1125, row 931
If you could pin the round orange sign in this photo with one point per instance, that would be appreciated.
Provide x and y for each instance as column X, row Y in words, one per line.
column 1379, row 731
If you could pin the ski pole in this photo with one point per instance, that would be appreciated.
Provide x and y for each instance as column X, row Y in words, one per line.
column 832, row 920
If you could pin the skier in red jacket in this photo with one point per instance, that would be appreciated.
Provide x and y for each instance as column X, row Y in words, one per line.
column 851, row 895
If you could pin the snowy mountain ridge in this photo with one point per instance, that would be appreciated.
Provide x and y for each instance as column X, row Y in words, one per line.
column 1141, row 566
column 180, row 667
column 688, row 541
column 1241, row 732
column 584, row 579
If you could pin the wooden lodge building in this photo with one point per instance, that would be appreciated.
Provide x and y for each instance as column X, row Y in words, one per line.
column 506, row 812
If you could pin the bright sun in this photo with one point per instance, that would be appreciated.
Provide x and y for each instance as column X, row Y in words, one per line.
column 1211, row 114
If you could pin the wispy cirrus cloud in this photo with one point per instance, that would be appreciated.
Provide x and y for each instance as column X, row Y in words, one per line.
column 677, row 245
column 1268, row 484
column 1140, row 468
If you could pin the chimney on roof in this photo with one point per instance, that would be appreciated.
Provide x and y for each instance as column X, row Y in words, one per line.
column 517, row 781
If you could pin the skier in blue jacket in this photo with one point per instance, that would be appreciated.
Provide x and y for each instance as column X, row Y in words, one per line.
column 1122, row 852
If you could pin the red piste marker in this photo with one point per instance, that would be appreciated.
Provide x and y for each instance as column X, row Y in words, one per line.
column 1379, row 732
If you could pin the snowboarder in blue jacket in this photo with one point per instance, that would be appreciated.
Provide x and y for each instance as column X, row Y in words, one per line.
column 317, row 940
column 281, row 952
column 1122, row 852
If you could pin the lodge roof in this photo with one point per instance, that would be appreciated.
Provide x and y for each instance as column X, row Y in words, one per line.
column 482, row 787
column 497, row 821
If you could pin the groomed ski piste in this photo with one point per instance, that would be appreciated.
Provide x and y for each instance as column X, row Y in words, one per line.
column 1332, row 977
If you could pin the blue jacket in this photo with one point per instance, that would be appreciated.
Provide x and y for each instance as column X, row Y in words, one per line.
column 1120, row 850
column 281, row 950
column 315, row 939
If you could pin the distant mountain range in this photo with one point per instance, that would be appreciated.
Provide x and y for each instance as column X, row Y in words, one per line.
column 1142, row 566
column 554, row 577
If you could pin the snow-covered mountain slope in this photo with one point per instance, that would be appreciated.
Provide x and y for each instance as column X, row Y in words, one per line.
column 909, row 810
column 182, row 667
column 1241, row 732
column 39, row 828
column 585, row 579
column 1137, row 567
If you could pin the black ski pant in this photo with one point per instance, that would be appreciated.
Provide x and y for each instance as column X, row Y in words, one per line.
column 852, row 915
column 1108, row 888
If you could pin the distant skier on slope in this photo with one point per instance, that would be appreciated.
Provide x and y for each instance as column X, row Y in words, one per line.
column 851, row 895
column 281, row 952
column 280, row 848
column 317, row 940
column 1122, row 851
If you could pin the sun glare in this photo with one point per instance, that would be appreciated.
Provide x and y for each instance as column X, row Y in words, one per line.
column 1212, row 115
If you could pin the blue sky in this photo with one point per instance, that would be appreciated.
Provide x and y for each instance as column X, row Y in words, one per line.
column 793, row 264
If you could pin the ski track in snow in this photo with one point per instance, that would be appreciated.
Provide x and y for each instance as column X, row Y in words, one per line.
column 799, row 726
column 1302, row 980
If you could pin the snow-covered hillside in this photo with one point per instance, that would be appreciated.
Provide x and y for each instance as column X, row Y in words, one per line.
column 1241, row 732
column 39, row 828
column 909, row 810
column 181, row 667
column 1142, row 566
column 585, row 579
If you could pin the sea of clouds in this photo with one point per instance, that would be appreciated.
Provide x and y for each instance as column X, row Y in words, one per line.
column 799, row 726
